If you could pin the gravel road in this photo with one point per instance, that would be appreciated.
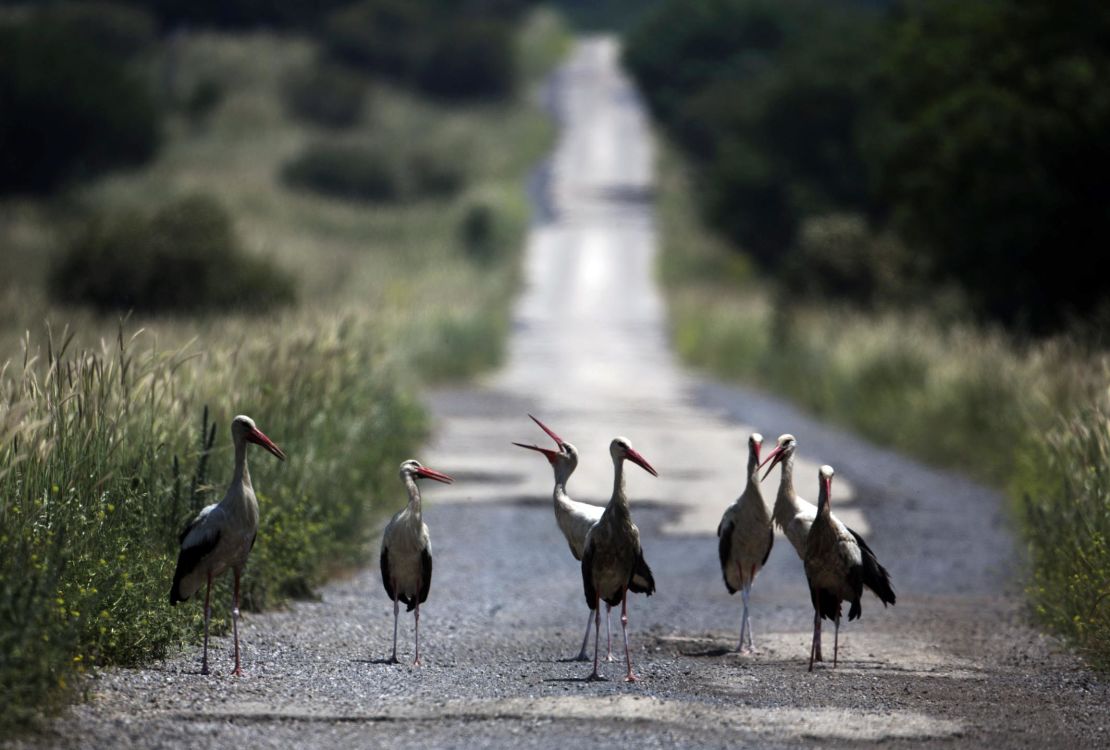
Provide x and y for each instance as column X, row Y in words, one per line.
column 954, row 664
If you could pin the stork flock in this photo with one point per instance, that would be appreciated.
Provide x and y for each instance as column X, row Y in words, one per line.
column 838, row 563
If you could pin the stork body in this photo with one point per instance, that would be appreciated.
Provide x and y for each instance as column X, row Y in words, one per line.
column 744, row 540
column 221, row 535
column 613, row 561
column 838, row 564
column 575, row 519
column 406, row 559
column 796, row 517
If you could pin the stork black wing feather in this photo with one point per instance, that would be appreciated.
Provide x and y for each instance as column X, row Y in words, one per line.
column 188, row 559
column 588, row 577
column 724, row 550
column 387, row 580
column 875, row 576
column 425, row 574
column 642, row 581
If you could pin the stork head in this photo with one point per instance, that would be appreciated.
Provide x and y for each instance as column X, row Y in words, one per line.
column 244, row 429
column 755, row 445
column 620, row 449
column 413, row 469
column 564, row 460
column 824, row 487
column 783, row 450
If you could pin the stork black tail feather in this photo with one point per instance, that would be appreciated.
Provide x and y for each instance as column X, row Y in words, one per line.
column 875, row 576
column 642, row 581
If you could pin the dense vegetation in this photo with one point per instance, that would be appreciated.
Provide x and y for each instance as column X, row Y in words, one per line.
column 967, row 131
column 110, row 435
column 871, row 207
column 183, row 258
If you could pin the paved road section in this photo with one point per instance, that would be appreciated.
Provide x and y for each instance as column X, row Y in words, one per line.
column 954, row 664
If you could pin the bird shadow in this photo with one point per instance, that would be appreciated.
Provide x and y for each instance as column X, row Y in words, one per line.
column 388, row 662
column 707, row 652
column 586, row 679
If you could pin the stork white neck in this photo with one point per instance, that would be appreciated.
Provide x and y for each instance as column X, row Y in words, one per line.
column 785, row 501
column 619, row 500
column 242, row 473
column 414, row 495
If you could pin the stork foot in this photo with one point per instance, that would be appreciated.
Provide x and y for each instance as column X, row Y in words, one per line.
column 416, row 663
column 393, row 660
column 237, row 672
column 630, row 677
column 595, row 677
column 582, row 656
column 610, row 657
column 204, row 669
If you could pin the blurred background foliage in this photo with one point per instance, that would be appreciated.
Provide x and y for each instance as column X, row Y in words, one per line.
column 966, row 131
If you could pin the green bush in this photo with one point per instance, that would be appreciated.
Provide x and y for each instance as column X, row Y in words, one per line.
column 69, row 110
column 838, row 257
column 474, row 59
column 121, row 31
column 184, row 258
column 374, row 172
column 327, row 95
column 390, row 38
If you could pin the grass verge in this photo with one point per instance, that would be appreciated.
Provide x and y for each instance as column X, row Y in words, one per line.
column 1030, row 418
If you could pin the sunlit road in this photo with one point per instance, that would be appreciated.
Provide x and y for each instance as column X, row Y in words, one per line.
column 953, row 664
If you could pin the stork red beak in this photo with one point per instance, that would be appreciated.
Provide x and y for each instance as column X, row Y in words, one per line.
column 257, row 437
column 828, row 488
column 640, row 461
column 774, row 457
column 550, row 433
column 547, row 452
column 427, row 473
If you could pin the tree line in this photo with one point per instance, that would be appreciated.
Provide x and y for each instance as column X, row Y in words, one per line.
column 880, row 152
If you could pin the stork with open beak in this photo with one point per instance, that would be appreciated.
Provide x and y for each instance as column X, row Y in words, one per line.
column 613, row 561
column 406, row 560
column 795, row 517
column 745, row 537
column 575, row 519
column 221, row 535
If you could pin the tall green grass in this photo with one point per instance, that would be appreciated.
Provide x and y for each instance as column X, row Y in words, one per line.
column 1029, row 417
column 104, row 457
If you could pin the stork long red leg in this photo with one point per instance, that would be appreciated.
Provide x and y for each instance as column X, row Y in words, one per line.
column 416, row 659
column 583, row 655
column 597, row 637
column 609, row 633
column 816, row 634
column 207, row 617
column 630, row 677
column 396, row 615
column 836, row 639
column 235, row 623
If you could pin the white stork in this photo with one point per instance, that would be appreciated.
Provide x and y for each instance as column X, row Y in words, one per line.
column 745, row 537
column 838, row 565
column 613, row 561
column 222, row 535
column 575, row 519
column 406, row 560
column 795, row 516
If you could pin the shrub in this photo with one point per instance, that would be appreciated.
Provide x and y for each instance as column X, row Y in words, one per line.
column 346, row 171
column 386, row 37
column 69, row 111
column 204, row 97
column 327, row 95
column 837, row 257
column 119, row 30
column 183, row 258
column 374, row 172
column 474, row 59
